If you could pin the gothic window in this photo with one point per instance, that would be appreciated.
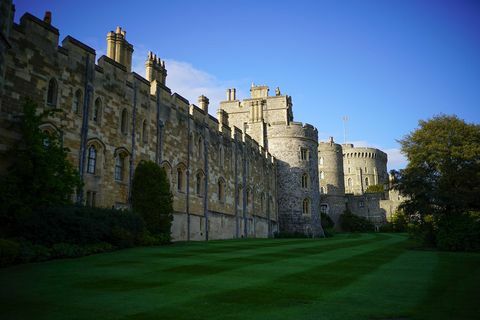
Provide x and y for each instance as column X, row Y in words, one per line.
column 97, row 109
column 361, row 204
column 322, row 190
column 305, row 181
column 221, row 156
column 366, row 170
column 221, row 190
column 52, row 93
column 306, row 206
column 77, row 102
column 181, row 179
column 119, row 167
column 349, row 182
column 348, row 169
column 168, row 171
column 321, row 161
column 92, row 159
column 144, row 131
column 366, row 181
column 304, row 154
column 124, row 122
column 322, row 175
column 199, row 184
column 200, row 147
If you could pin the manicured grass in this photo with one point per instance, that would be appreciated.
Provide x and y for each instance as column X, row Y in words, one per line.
column 360, row 276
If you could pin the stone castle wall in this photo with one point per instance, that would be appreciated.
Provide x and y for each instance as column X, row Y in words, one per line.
column 223, row 182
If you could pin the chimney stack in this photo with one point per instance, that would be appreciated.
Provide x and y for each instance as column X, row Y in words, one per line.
column 47, row 18
column 203, row 103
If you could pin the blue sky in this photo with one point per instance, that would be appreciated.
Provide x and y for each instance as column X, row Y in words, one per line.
column 385, row 64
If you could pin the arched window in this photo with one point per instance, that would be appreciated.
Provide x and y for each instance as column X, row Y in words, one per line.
column 144, row 131
column 181, row 179
column 324, row 208
column 168, row 171
column 240, row 197
column 119, row 167
column 306, row 206
column 305, row 181
column 97, row 110
column 322, row 175
column 221, row 190
column 199, row 184
column 124, row 122
column 349, row 182
column 200, row 147
column 348, row 169
column 92, row 159
column 77, row 102
column 366, row 181
column 322, row 190
column 221, row 159
column 321, row 161
column 52, row 93
column 366, row 170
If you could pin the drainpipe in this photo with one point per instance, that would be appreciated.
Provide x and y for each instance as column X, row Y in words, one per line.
column 245, row 229
column 237, row 226
column 189, row 149
column 158, row 153
column 205, row 198
column 84, row 130
column 134, row 129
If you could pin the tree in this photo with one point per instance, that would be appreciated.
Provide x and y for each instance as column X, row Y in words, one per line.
column 441, row 181
column 443, row 173
column 151, row 197
column 40, row 175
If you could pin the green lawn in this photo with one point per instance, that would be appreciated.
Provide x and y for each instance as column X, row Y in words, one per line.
column 361, row 276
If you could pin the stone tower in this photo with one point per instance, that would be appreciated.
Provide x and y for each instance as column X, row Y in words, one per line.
column 269, row 121
column 363, row 167
column 332, row 187
column 296, row 148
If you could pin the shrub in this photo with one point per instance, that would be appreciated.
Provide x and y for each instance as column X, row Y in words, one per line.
column 9, row 251
column 327, row 225
column 459, row 232
column 375, row 188
column 151, row 197
column 352, row 223
column 284, row 235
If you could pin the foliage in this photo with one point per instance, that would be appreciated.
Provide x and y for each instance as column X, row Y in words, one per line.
column 375, row 188
column 443, row 173
column 151, row 197
column 9, row 251
column 350, row 222
column 40, row 175
column 442, row 178
column 399, row 221
column 327, row 225
column 459, row 232
column 289, row 235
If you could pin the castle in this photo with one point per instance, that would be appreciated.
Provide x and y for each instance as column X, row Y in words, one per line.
column 250, row 172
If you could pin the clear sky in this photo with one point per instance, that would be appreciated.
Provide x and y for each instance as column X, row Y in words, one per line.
column 384, row 64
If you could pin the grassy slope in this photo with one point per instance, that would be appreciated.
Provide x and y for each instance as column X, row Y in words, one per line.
column 368, row 276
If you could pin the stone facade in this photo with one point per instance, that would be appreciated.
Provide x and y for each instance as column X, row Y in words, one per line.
column 250, row 172
column 223, row 181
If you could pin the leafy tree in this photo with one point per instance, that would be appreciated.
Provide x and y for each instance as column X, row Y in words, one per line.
column 375, row 188
column 151, row 197
column 443, row 173
column 441, row 180
column 40, row 175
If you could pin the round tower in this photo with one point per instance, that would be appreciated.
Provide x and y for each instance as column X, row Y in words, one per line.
column 295, row 148
column 330, row 172
column 363, row 167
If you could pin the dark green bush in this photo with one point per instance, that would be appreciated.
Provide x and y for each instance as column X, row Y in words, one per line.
column 151, row 197
column 285, row 235
column 327, row 225
column 9, row 251
column 350, row 222
column 459, row 232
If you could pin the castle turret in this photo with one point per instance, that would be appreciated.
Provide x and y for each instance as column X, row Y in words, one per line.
column 332, row 187
column 119, row 49
column 363, row 167
column 203, row 103
column 155, row 69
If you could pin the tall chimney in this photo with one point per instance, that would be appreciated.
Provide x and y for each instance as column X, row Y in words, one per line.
column 47, row 18
column 203, row 103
